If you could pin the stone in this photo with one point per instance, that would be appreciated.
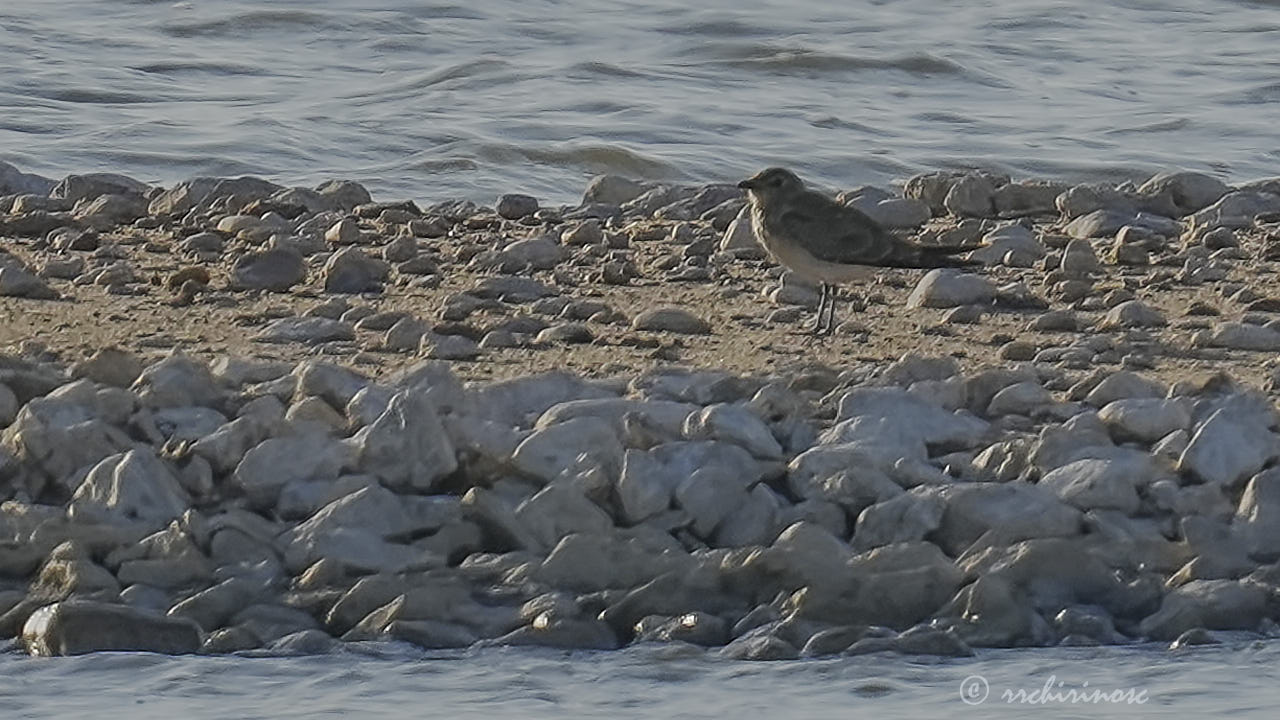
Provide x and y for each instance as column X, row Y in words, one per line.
column 275, row 462
column 276, row 270
column 1191, row 191
column 906, row 517
column 75, row 188
column 671, row 319
column 1258, row 516
column 1022, row 398
column 1015, row 511
column 1232, row 444
column 1132, row 314
column 1145, row 420
column 612, row 190
column 551, row 450
column 134, row 486
column 407, row 446
column 945, row 288
column 1242, row 336
column 351, row 271
column 1210, row 604
column 971, row 196
column 1027, row 197
column 18, row 282
column 734, row 424
column 176, row 381
column 449, row 347
column 1236, row 209
column 514, row 206
column 109, row 366
column 344, row 232
column 76, row 627
column 306, row 330
column 1099, row 484
column 1079, row 259
column 587, row 232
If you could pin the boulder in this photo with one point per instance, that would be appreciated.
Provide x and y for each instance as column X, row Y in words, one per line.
column 76, row 627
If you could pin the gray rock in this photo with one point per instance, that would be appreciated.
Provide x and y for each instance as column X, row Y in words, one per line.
column 14, row 181
column 16, row 281
column 971, row 196
column 944, row 289
column 1098, row 484
column 1242, row 336
column 407, row 446
column 740, row 235
column 351, row 271
column 176, row 381
column 277, row 270
column 1191, row 191
column 75, row 188
column 550, row 451
column 1232, row 444
column 1079, row 259
column 514, row 206
column 1132, row 314
column 1100, row 223
column 905, row 518
column 275, row 462
column 135, row 486
column 1258, row 516
column 1211, row 604
column 1015, row 511
column 1022, row 398
column 612, row 190
column 76, row 627
column 1236, row 210
column 671, row 319
column 734, row 424
column 1144, row 419
column 107, row 211
column 587, row 232
column 449, row 347
column 306, row 330
column 1027, row 197
column 1012, row 244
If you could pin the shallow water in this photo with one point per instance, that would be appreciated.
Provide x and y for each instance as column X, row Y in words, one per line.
column 643, row 682
column 428, row 100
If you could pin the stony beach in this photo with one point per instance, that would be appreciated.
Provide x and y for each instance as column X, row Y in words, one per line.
column 241, row 417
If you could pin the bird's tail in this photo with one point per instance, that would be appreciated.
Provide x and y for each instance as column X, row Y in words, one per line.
column 944, row 256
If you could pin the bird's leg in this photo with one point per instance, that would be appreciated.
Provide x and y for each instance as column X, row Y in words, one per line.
column 833, row 294
column 822, row 304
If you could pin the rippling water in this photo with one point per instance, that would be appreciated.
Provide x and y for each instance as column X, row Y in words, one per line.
column 427, row 100
column 1239, row 680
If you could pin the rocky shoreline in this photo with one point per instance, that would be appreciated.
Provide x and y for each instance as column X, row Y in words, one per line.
column 236, row 417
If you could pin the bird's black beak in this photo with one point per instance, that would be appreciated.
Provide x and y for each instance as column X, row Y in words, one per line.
column 747, row 184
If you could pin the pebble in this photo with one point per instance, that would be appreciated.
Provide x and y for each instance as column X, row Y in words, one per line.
column 308, row 330
column 670, row 319
column 945, row 289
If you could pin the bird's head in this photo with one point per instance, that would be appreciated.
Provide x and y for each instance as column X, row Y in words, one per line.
column 771, row 184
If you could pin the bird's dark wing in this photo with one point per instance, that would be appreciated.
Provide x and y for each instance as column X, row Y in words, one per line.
column 835, row 233
column 840, row 234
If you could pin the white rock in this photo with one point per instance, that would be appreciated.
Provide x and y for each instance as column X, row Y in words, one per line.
column 708, row 495
column 1124, row 384
column 1014, row 511
column 332, row 383
column 1144, row 419
column 379, row 511
column 671, row 319
column 552, row 450
column 1094, row 484
column 905, row 518
column 643, row 488
column 665, row 415
column 1132, row 314
column 226, row 446
column 1191, row 191
column 176, row 381
column 275, row 462
column 1019, row 399
column 740, row 234
column 734, row 424
column 1236, row 209
column 754, row 522
column 1258, row 517
column 1243, row 336
column 523, row 399
column 914, row 416
column 308, row 330
column 407, row 446
column 559, row 510
column 947, row 288
column 135, row 486
column 1232, row 444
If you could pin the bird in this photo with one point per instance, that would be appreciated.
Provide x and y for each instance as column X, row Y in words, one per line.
column 827, row 243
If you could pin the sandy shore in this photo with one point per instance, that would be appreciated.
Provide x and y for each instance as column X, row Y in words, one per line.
column 238, row 415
